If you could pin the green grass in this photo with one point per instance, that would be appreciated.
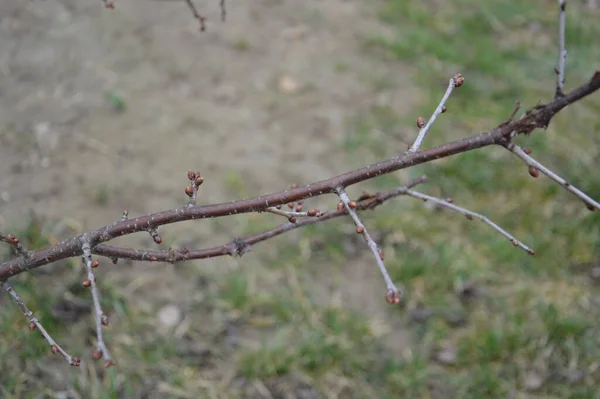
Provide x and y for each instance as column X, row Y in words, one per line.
column 275, row 322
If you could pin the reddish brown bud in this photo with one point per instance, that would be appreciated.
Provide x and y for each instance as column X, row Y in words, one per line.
column 380, row 253
column 95, row 264
column 54, row 349
column 459, row 80
column 104, row 320
column 10, row 237
column 527, row 150
column 392, row 297
column 75, row 361
column 157, row 239
column 352, row 204
column 590, row 207
column 86, row 283
column 444, row 109
column 109, row 363
column 278, row 206
column 199, row 181
column 299, row 208
column 420, row 122
column 534, row 172
column 531, row 252
column 290, row 205
column 360, row 229
column 32, row 326
column 96, row 354
column 189, row 191
column 153, row 259
column 293, row 186
column 340, row 206
column 191, row 174
column 292, row 219
column 312, row 212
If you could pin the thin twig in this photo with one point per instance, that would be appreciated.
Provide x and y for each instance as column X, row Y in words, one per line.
column 562, row 52
column 537, row 117
column 289, row 214
column 470, row 215
column 14, row 242
column 196, row 15
column 239, row 246
column 223, row 10
column 101, row 318
column 532, row 163
column 456, row 81
column 393, row 295
column 35, row 323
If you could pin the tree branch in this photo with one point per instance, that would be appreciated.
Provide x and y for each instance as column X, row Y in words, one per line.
column 537, row 117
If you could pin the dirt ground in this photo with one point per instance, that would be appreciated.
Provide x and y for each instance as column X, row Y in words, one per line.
column 256, row 103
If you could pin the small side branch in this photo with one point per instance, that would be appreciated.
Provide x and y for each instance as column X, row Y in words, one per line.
column 456, row 81
column 470, row 215
column 14, row 242
column 562, row 52
column 200, row 18
column 535, row 166
column 393, row 295
column 35, row 324
column 191, row 190
column 101, row 318
column 223, row 10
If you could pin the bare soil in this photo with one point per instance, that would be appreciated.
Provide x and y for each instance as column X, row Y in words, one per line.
column 255, row 103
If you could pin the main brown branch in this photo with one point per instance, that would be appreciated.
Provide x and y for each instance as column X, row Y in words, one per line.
column 537, row 117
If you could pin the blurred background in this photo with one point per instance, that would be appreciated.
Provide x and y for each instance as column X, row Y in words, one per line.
column 102, row 110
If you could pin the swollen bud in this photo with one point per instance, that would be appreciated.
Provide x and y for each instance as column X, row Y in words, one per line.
column 459, row 80
column 534, row 172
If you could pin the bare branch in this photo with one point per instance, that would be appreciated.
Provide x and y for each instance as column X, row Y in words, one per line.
column 470, row 215
column 200, row 18
column 562, row 52
column 35, row 324
column 223, row 10
column 101, row 318
column 536, row 166
column 456, row 81
column 239, row 246
column 393, row 295
column 537, row 117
